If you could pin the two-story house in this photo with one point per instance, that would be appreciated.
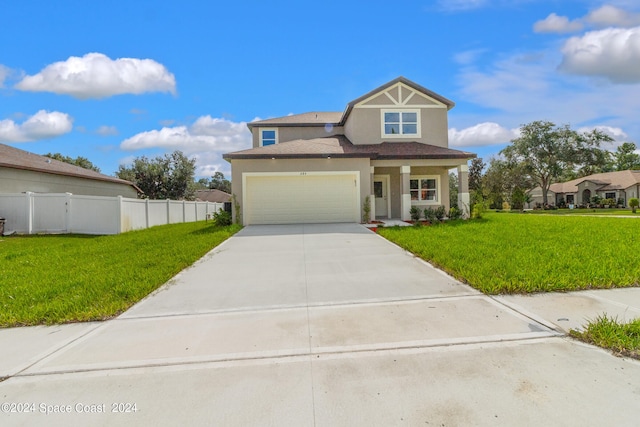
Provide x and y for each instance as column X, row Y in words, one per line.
column 390, row 145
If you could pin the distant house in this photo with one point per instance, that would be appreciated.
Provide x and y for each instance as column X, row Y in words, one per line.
column 213, row 195
column 22, row 171
column 622, row 185
column 388, row 149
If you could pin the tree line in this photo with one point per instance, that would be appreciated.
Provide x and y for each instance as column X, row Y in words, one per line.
column 544, row 154
column 171, row 176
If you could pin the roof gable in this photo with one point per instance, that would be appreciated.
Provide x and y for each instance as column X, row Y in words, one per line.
column 399, row 92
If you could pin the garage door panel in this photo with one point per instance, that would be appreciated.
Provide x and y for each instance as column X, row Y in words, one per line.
column 287, row 199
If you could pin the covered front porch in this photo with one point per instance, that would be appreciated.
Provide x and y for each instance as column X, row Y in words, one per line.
column 397, row 186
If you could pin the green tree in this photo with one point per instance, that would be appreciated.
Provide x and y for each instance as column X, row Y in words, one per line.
column 453, row 190
column 219, row 182
column 164, row 177
column 625, row 157
column 475, row 174
column 83, row 162
column 202, row 184
column 546, row 152
column 505, row 180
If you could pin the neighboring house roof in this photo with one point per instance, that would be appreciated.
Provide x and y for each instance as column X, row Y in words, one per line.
column 339, row 146
column 213, row 195
column 14, row 158
column 606, row 181
column 339, row 119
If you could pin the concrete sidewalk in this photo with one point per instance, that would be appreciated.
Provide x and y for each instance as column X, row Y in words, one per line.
column 323, row 325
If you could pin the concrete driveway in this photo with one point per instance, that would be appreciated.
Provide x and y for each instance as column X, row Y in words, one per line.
column 307, row 325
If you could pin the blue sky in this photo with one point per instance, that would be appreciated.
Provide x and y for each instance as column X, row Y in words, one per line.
column 114, row 80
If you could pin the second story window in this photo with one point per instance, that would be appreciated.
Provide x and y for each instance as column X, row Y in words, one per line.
column 400, row 123
column 268, row 137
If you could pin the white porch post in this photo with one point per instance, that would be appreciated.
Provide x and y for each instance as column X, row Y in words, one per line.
column 405, row 201
column 463, row 190
column 372, row 196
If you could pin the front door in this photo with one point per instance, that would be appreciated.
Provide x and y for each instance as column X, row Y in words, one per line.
column 381, row 192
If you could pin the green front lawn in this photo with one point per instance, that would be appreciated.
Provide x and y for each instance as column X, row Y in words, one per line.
column 515, row 253
column 66, row 278
column 598, row 211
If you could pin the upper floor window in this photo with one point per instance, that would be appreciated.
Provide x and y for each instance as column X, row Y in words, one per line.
column 268, row 137
column 401, row 123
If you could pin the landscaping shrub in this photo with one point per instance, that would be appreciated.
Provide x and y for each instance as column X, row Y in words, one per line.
column 222, row 218
column 455, row 213
column 440, row 213
column 430, row 215
column 415, row 213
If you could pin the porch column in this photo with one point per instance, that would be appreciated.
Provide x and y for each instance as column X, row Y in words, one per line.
column 372, row 195
column 405, row 201
column 463, row 190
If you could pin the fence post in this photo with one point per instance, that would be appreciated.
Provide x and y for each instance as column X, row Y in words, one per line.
column 195, row 205
column 119, row 215
column 168, row 211
column 67, row 217
column 146, row 211
column 29, row 202
column 184, row 211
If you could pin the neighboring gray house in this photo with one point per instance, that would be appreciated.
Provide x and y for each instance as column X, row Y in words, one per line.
column 609, row 185
column 390, row 145
column 21, row 171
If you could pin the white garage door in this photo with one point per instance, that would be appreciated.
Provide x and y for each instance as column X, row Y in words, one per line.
column 298, row 198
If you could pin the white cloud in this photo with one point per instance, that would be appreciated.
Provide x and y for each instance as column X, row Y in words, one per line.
column 468, row 57
column 4, row 73
column 206, row 139
column 97, row 76
column 107, row 130
column 482, row 134
column 619, row 136
column 42, row 125
column 557, row 24
column 613, row 53
column 611, row 16
column 514, row 91
column 456, row 5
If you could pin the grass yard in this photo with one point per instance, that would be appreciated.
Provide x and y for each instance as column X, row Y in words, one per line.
column 516, row 253
column 67, row 278
column 621, row 338
column 625, row 212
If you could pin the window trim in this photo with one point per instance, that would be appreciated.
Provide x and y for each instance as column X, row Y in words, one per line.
column 426, row 202
column 261, row 130
column 400, row 135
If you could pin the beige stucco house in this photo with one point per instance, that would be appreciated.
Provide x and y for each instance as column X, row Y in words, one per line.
column 22, row 171
column 621, row 185
column 390, row 145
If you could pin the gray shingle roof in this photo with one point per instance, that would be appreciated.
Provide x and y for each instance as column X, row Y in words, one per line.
column 339, row 146
column 213, row 195
column 316, row 118
column 14, row 158
column 608, row 180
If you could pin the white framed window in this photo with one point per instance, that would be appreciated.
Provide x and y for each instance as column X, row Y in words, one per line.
column 400, row 123
column 424, row 189
column 268, row 136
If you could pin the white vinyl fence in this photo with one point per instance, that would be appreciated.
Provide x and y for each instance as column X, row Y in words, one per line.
column 31, row 213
